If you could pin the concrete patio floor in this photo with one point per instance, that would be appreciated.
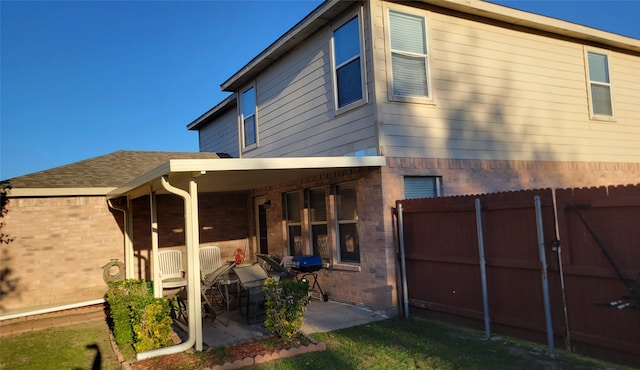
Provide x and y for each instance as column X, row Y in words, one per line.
column 320, row 317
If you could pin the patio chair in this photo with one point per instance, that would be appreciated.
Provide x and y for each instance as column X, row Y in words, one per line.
column 274, row 268
column 171, row 271
column 210, row 260
column 215, row 290
column 286, row 262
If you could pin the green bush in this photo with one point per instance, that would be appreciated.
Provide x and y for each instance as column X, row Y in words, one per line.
column 286, row 302
column 121, row 297
column 137, row 318
column 152, row 328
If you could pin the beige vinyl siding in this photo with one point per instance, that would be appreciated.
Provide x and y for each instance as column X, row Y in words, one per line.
column 296, row 114
column 221, row 136
column 506, row 94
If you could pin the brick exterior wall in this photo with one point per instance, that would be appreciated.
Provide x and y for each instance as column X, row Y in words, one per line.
column 371, row 283
column 223, row 222
column 58, row 249
column 474, row 176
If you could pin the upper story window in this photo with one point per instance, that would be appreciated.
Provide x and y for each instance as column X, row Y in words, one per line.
column 347, row 61
column 248, row 117
column 409, row 57
column 599, row 85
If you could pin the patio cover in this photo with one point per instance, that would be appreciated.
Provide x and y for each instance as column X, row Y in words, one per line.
column 186, row 178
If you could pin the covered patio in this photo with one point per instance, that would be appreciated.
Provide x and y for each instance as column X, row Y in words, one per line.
column 319, row 317
column 190, row 178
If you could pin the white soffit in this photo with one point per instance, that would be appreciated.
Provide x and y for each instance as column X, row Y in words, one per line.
column 237, row 174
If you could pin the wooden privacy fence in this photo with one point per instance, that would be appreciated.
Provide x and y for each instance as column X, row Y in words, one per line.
column 558, row 267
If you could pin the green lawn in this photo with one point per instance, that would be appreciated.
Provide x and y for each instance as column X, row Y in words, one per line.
column 74, row 347
column 390, row 344
column 426, row 344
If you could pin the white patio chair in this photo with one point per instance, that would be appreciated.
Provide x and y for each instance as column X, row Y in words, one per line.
column 171, row 272
column 286, row 262
column 210, row 260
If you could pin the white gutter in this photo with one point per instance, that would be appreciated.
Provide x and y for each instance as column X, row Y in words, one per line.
column 193, row 280
column 52, row 309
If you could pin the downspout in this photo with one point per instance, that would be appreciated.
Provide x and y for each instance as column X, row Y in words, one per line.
column 192, row 282
column 155, row 265
column 128, row 250
column 403, row 264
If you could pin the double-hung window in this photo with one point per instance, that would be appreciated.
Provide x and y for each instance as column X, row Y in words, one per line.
column 599, row 85
column 346, row 205
column 318, row 221
column 248, row 117
column 347, row 61
column 409, row 57
column 294, row 222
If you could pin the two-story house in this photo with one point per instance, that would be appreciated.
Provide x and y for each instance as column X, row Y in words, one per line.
column 360, row 104
column 460, row 97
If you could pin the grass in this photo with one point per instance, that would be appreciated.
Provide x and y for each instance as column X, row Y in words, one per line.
column 391, row 344
column 71, row 347
column 425, row 344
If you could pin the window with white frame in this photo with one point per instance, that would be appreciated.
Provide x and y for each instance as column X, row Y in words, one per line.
column 294, row 222
column 422, row 187
column 318, row 220
column 347, row 214
column 248, row 117
column 347, row 60
column 409, row 56
column 599, row 84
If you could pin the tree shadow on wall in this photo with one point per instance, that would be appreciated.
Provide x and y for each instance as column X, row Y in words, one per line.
column 7, row 283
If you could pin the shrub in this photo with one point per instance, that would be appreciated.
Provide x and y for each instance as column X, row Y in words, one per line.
column 120, row 297
column 137, row 318
column 286, row 302
column 152, row 328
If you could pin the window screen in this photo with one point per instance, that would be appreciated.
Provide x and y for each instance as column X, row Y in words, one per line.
column 600, row 84
column 409, row 59
column 421, row 187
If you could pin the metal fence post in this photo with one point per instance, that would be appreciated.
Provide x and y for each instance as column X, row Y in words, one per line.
column 545, row 281
column 483, row 271
column 403, row 265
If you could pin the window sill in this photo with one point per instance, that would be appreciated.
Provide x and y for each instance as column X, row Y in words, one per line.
column 414, row 100
column 349, row 107
column 346, row 267
column 602, row 118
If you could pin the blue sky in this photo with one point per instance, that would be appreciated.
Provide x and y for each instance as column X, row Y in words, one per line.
column 79, row 79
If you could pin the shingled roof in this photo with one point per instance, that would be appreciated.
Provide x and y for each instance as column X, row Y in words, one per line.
column 110, row 170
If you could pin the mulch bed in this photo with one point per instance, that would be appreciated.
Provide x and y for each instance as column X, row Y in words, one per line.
column 218, row 356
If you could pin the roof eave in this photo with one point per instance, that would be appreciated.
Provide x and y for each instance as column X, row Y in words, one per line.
column 539, row 22
column 57, row 192
column 317, row 18
column 212, row 113
column 324, row 13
